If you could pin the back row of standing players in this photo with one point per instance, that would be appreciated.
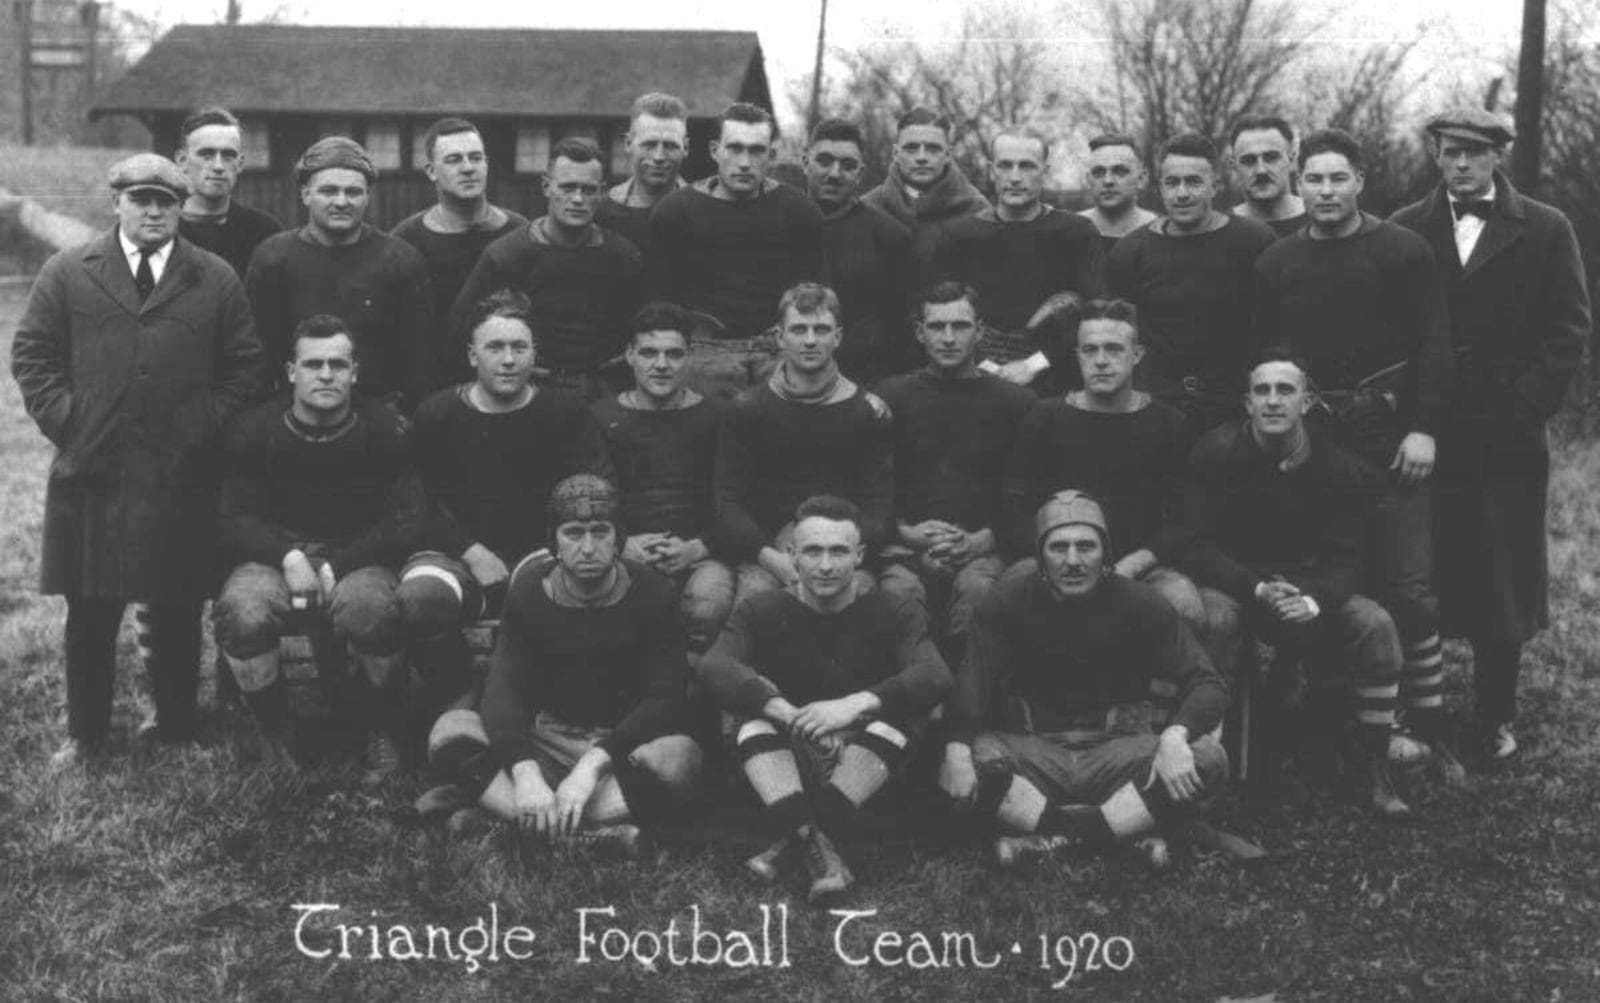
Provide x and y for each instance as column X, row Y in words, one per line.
column 1427, row 372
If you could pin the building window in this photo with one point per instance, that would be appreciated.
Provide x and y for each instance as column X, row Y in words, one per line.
column 257, row 142
column 419, row 145
column 383, row 145
column 533, row 149
column 574, row 130
column 621, row 162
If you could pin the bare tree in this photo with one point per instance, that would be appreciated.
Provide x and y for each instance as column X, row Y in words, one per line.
column 1365, row 95
column 1190, row 65
column 996, row 70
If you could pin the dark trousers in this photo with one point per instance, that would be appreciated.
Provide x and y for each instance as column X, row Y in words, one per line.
column 172, row 638
column 1495, row 666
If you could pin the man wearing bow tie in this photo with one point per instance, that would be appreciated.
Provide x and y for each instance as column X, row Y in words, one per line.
column 1519, row 314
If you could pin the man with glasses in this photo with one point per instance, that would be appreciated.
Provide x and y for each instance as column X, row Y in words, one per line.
column 583, row 282
column 868, row 255
column 728, row 248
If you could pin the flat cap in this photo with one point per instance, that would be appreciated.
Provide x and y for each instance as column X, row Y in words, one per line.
column 1472, row 124
column 334, row 151
column 148, row 172
column 1069, row 508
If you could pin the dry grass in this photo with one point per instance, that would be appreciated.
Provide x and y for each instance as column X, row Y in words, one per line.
column 172, row 875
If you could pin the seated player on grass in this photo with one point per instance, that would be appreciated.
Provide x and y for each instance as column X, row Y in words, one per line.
column 829, row 689
column 662, row 437
column 320, row 506
column 582, row 731
column 1054, row 724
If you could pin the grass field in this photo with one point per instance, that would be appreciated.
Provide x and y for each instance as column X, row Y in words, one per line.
column 174, row 875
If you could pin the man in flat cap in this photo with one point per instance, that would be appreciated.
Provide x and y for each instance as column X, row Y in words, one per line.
column 1519, row 313
column 339, row 265
column 133, row 351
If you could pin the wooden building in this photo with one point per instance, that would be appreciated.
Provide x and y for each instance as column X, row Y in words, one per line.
column 383, row 87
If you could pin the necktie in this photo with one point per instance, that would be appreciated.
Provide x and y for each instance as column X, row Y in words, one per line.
column 1477, row 207
column 144, row 280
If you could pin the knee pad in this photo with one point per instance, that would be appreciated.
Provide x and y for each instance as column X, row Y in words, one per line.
column 456, row 726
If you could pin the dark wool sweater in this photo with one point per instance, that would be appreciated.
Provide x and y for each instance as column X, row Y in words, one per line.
column 1284, row 227
column 773, row 454
column 348, row 495
column 583, row 297
column 1132, row 463
column 870, row 266
column 378, row 285
column 233, row 236
column 620, row 667
column 952, row 438
column 1353, row 306
column 489, row 476
column 632, row 222
column 733, row 259
column 1249, row 520
column 1194, row 300
column 1015, row 267
column 664, row 462
column 1070, row 661
column 450, row 258
column 775, row 645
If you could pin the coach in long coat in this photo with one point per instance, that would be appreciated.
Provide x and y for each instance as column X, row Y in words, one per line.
column 133, row 391
column 1519, row 314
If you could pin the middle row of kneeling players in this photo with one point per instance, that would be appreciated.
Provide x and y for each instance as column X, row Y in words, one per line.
column 612, row 541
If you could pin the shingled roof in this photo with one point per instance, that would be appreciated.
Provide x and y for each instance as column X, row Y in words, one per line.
column 422, row 71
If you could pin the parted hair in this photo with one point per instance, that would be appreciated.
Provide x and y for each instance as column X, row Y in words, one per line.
column 1188, row 144
column 1278, row 353
column 1110, row 309
column 1332, row 141
column 750, row 114
column 1106, row 139
column 444, row 127
column 948, row 291
column 837, row 130
column 577, row 149
column 209, row 115
column 659, row 315
column 921, row 115
column 506, row 303
column 1247, row 123
column 319, row 325
column 830, row 507
column 658, row 105
column 809, row 297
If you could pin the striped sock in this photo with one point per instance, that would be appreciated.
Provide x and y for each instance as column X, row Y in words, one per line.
column 1375, row 706
column 1422, row 686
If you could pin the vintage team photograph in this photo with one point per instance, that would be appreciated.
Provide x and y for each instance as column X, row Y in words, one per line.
column 977, row 501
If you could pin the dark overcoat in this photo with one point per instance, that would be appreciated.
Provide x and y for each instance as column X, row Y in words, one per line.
column 134, row 398
column 1519, row 316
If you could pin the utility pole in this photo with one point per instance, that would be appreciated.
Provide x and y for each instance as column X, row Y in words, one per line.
column 24, row 12
column 816, row 72
column 1530, row 99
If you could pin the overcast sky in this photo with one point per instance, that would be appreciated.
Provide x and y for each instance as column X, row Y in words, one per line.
column 1464, row 40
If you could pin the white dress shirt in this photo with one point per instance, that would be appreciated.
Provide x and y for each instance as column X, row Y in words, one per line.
column 158, row 260
column 1468, row 228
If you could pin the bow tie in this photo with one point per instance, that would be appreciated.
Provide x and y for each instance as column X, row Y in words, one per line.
column 1477, row 207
